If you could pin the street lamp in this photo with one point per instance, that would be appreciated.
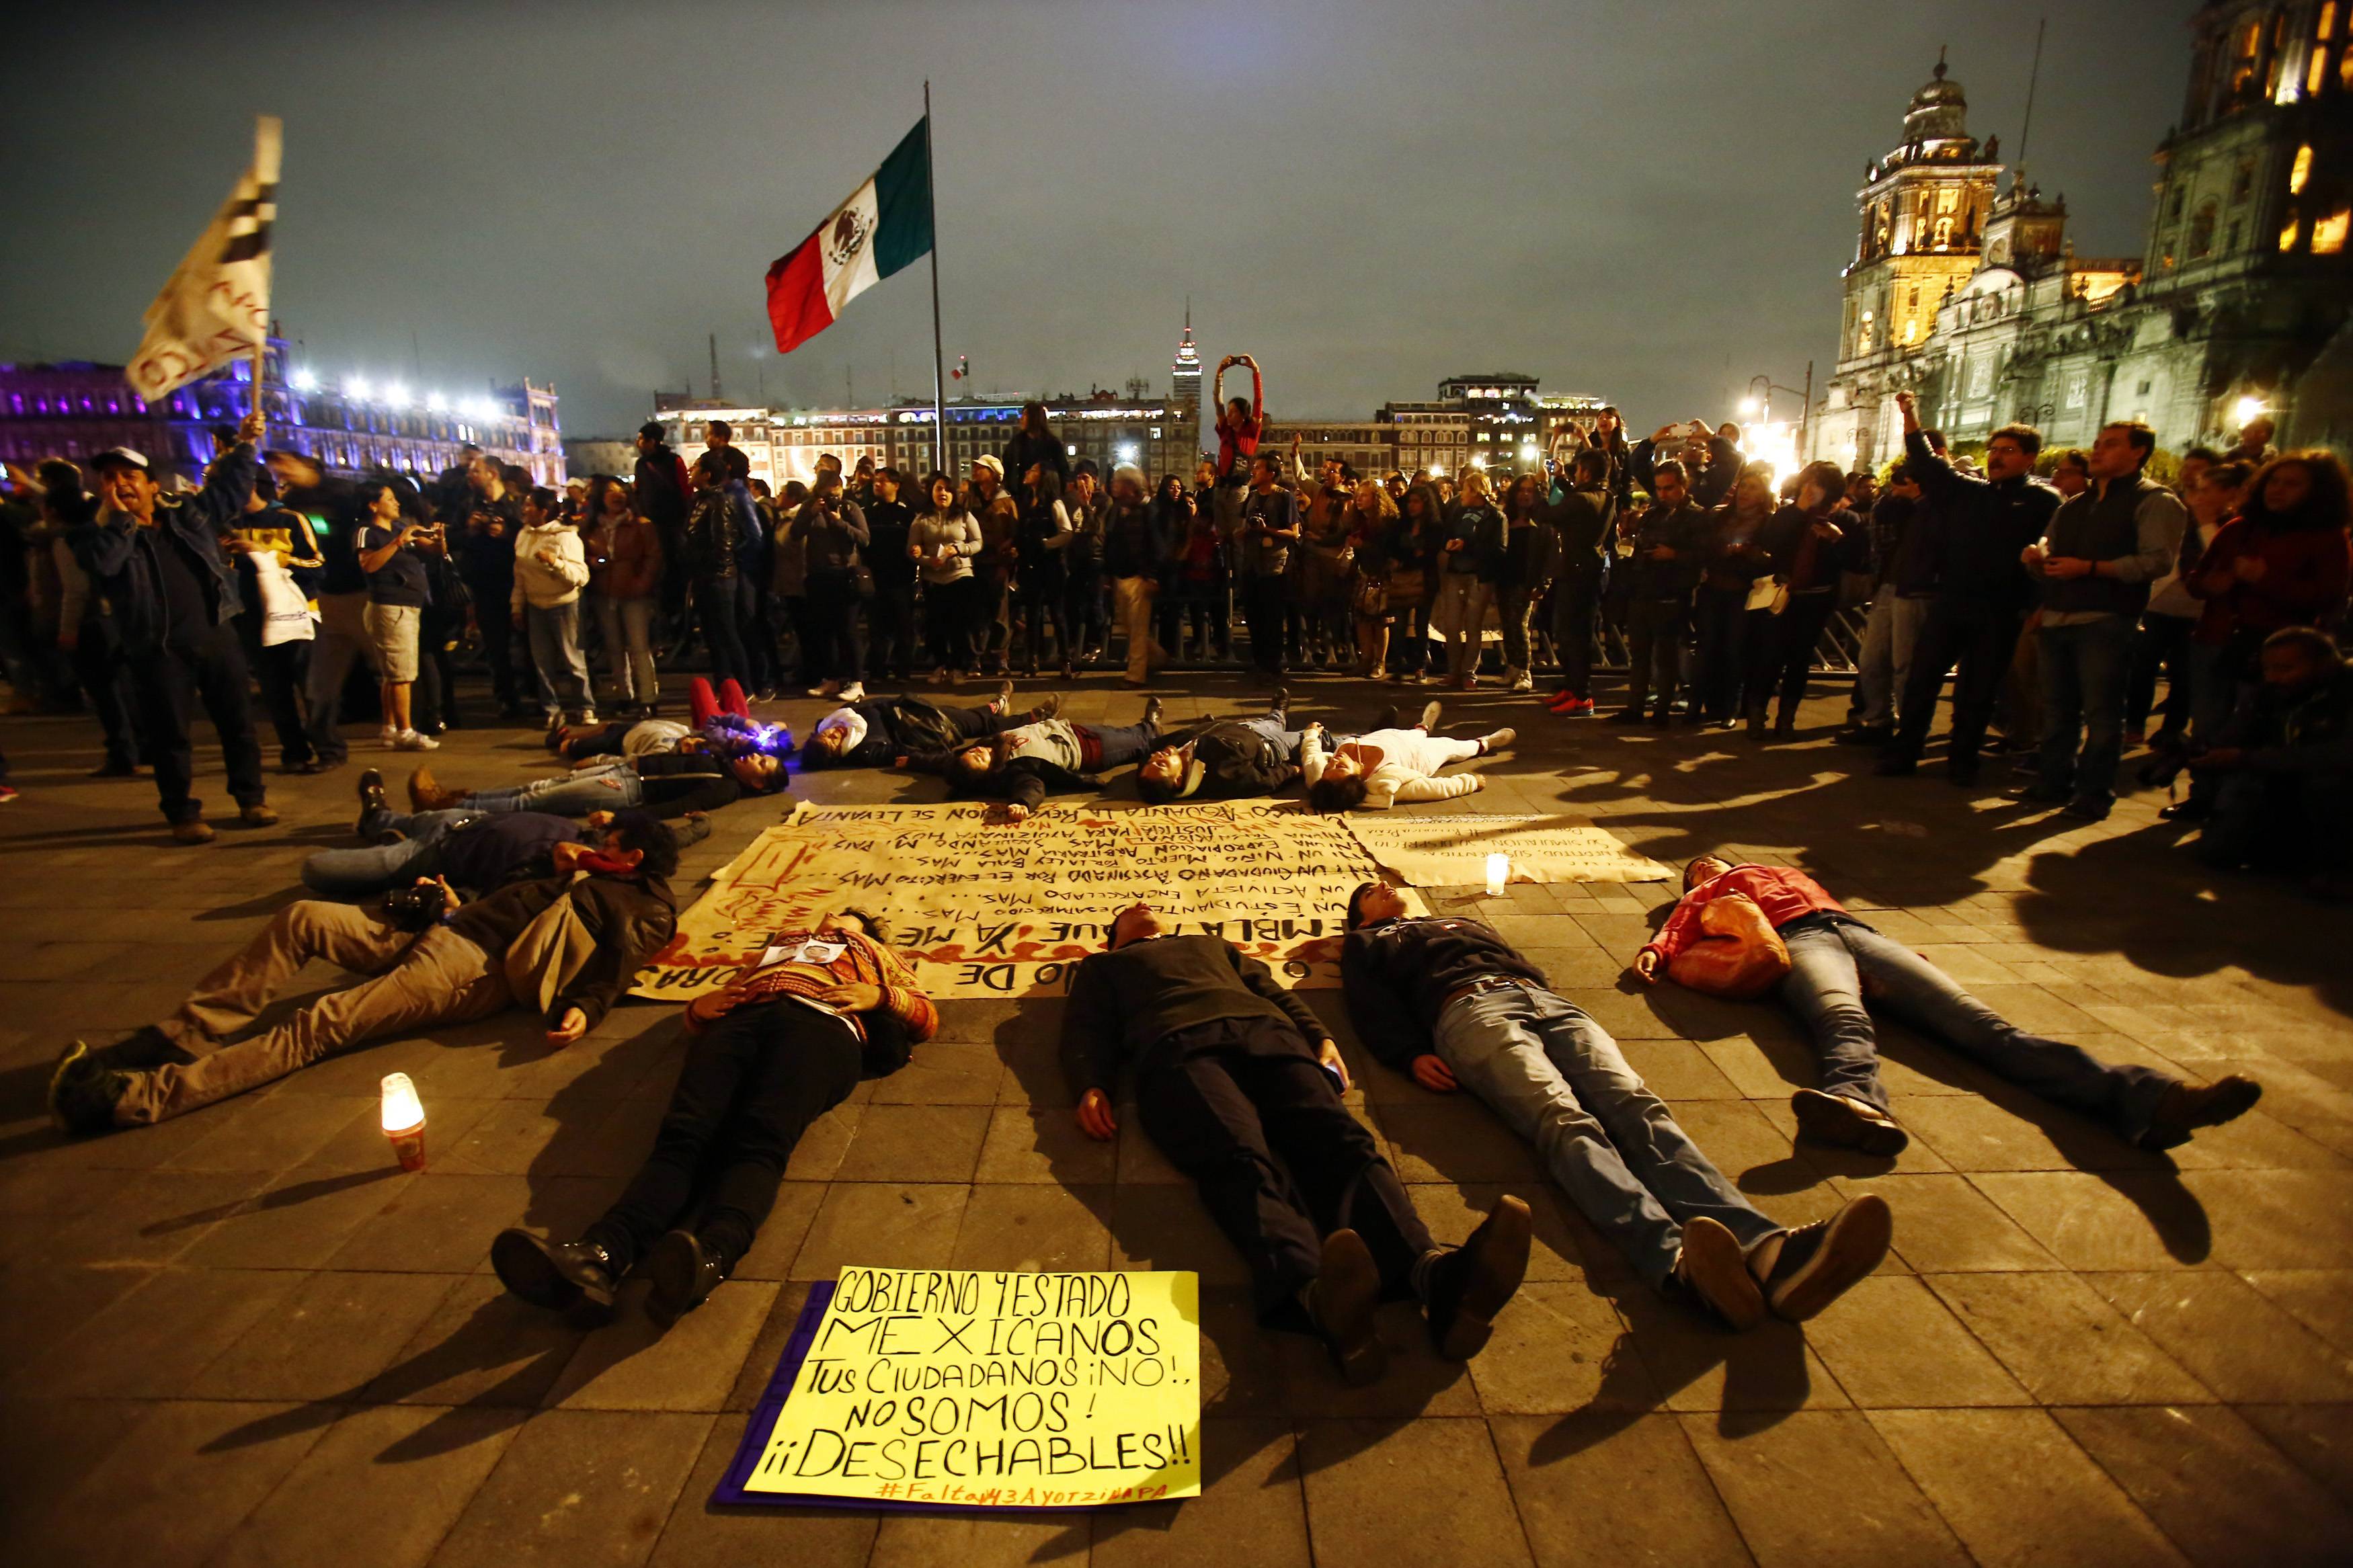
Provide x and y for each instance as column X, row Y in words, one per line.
column 2248, row 409
column 1760, row 401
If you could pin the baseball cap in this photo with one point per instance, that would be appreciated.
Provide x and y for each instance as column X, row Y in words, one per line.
column 128, row 456
column 986, row 461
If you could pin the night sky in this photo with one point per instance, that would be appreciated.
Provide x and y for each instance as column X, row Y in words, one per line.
column 1646, row 202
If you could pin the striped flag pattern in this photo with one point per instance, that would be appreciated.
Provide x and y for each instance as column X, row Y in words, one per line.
column 215, row 308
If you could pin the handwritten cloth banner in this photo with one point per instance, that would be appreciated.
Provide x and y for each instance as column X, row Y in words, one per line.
column 964, row 1390
column 1450, row 851
column 984, row 909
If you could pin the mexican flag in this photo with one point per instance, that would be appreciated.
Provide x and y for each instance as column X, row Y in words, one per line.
column 886, row 225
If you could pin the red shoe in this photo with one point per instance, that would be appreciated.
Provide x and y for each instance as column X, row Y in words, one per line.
column 1575, row 708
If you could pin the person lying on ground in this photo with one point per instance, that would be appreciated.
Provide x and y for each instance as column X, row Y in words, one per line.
column 476, row 852
column 1239, row 1083
column 1225, row 759
column 877, row 731
column 1836, row 962
column 1448, row 1001
column 724, row 727
column 1389, row 765
column 565, row 947
column 666, row 783
column 786, row 1041
column 1021, row 764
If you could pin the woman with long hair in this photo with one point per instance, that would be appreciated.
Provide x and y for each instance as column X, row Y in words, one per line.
column 1035, row 445
column 1732, row 636
column 1810, row 542
column 1470, row 562
column 2281, row 562
column 942, row 542
column 1197, row 581
column 1372, row 528
column 1528, row 560
column 1413, row 580
column 1042, row 536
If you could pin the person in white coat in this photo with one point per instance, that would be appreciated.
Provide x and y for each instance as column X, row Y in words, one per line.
column 1378, row 769
column 551, row 568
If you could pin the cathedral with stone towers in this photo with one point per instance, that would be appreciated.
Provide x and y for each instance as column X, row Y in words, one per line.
column 1965, row 291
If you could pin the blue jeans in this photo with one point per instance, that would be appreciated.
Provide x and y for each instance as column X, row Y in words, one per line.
column 350, row 873
column 1556, row 1077
column 556, row 653
column 1834, row 963
column 2214, row 693
column 2085, row 669
column 609, row 787
column 1272, row 727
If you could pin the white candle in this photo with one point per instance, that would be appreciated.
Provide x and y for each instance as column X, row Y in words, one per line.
column 402, row 1109
column 1499, row 871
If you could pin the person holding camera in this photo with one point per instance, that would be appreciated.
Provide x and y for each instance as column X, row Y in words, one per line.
column 835, row 532
column 565, row 946
column 392, row 552
column 551, row 569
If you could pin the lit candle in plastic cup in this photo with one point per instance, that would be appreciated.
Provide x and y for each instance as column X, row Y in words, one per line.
column 1499, row 871
column 404, row 1121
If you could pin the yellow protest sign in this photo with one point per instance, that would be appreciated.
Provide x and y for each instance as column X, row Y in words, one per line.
column 991, row 1390
column 1450, row 851
column 985, row 909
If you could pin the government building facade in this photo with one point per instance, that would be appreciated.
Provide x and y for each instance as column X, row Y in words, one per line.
column 1966, row 293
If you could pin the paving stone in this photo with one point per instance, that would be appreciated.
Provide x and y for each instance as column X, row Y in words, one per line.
column 1944, row 1224
column 945, row 1073
column 42, row 1306
column 1603, row 1488
column 2317, row 1439
column 2017, row 1490
column 1428, row 1491
column 2123, row 1220
column 435, row 1224
column 2213, row 1484
column 330, row 1509
column 152, row 1343
column 1168, row 1228
column 1035, row 1229
column 782, row 1232
column 921, row 1540
column 1891, row 1343
column 1042, row 1143
column 1558, row 1348
column 632, row 1363
column 2277, row 1219
column 578, row 1488
column 880, row 1225
column 2232, row 1338
column 481, row 1347
column 701, row 1534
column 1453, row 1139
column 47, row 1445
column 2319, row 1299
column 916, row 1143
column 1973, row 1134
column 1697, row 1364
column 1252, row 1512
column 177, row 1482
column 1771, row 1481
column 2063, row 1342
column 326, row 1339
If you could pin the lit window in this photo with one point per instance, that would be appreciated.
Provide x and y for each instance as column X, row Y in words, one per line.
column 2329, row 233
column 2300, row 172
column 2289, row 235
column 2326, row 27
column 2316, row 72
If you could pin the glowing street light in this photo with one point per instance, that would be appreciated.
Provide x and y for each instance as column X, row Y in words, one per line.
column 2248, row 409
column 435, row 403
column 396, row 395
column 356, row 388
column 1127, row 454
column 306, row 380
column 1749, row 404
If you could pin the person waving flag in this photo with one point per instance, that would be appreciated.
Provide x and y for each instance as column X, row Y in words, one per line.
column 885, row 225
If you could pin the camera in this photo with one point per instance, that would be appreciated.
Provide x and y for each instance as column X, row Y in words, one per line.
column 415, row 908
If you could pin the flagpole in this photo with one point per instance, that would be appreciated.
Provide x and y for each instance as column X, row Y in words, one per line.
column 931, row 201
column 261, row 348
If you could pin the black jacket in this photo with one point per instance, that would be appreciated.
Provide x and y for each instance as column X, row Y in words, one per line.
column 714, row 534
column 680, row 782
column 1135, row 539
column 2306, row 730
column 1122, row 1003
column 1581, row 519
column 1236, row 762
column 1025, row 449
column 1970, row 535
column 895, row 726
column 1784, row 535
column 1710, row 482
column 631, row 918
column 1685, row 531
column 658, row 494
column 125, row 579
column 1398, row 973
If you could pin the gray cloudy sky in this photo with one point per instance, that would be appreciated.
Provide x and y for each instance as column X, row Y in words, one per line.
column 1649, row 202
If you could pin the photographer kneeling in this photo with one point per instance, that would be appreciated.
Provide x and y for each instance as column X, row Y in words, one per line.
column 2285, row 762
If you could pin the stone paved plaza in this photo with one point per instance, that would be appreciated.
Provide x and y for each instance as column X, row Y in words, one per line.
column 243, row 1337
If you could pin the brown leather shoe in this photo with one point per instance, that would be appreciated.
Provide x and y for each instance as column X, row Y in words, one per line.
column 426, row 793
column 1469, row 1286
column 258, row 817
column 2185, row 1107
column 1716, row 1271
column 196, row 831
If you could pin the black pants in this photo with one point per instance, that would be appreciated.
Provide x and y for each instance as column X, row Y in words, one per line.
column 1263, row 610
column 1516, row 605
column 832, row 622
column 714, row 611
column 1573, row 599
column 1981, row 639
column 1082, row 613
column 890, row 632
column 756, row 633
column 1720, row 616
column 98, row 665
column 751, row 1085
column 434, row 700
column 1654, row 650
column 505, row 655
column 166, row 685
column 2161, row 645
column 1240, row 1106
column 1789, row 652
column 949, row 609
column 281, row 671
column 992, row 627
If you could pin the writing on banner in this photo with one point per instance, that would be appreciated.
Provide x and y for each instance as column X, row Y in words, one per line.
column 1450, row 851
column 984, row 909
column 1006, row 1390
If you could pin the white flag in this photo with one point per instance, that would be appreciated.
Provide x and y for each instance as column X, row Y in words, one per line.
column 216, row 309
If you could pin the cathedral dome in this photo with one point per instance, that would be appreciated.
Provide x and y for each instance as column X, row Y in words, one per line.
column 1939, row 111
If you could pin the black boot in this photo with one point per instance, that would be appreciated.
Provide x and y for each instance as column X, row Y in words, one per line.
column 684, row 1273
column 1469, row 1285
column 564, row 1276
column 371, row 800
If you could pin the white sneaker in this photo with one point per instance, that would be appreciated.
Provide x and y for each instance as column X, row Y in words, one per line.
column 588, row 718
column 1523, row 681
column 854, row 692
column 410, row 741
column 830, row 689
column 387, row 736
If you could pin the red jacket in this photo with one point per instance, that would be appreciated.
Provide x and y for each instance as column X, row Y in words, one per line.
column 1783, row 892
column 2302, row 585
